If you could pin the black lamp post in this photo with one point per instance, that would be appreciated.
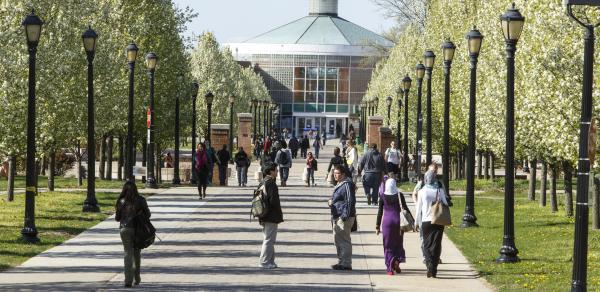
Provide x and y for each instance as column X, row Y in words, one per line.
column 419, row 144
column 448, row 49
column 231, row 101
column 176, row 179
column 580, row 250
column 512, row 25
column 276, row 122
column 209, row 100
column 375, row 105
column 429, row 60
column 131, row 52
column 254, row 119
column 151, row 61
column 363, row 113
column 399, row 127
column 195, row 88
column 474, row 39
column 33, row 30
column 89, row 44
column 406, row 83
column 388, row 102
column 265, row 104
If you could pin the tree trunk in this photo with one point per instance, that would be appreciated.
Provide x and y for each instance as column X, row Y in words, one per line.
column 144, row 150
column 134, row 159
column 568, row 169
column 102, row 164
column 455, row 166
column 12, row 171
column 120, row 160
column 51, row 170
column 493, row 165
column 109, row 157
column 158, row 165
column 596, row 205
column 553, row 199
column 479, row 165
column 543, row 183
column 487, row 166
column 532, row 179
column 43, row 167
column 460, row 164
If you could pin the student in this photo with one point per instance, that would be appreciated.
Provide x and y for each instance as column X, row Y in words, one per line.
column 271, row 220
column 343, row 214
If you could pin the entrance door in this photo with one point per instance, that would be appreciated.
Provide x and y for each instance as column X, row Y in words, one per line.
column 331, row 128
column 304, row 126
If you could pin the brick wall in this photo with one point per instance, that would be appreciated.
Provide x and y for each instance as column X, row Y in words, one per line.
column 244, row 138
column 219, row 136
column 374, row 123
column 386, row 137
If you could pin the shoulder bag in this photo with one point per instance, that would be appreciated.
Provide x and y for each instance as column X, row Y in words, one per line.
column 440, row 213
column 407, row 222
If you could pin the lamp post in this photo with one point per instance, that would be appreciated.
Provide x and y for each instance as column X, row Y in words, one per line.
column 419, row 142
column 151, row 61
column 276, row 122
column 512, row 25
column 231, row 101
column 406, row 82
column 363, row 113
column 429, row 60
column 33, row 30
column 254, row 119
column 131, row 52
column 399, row 128
column 388, row 102
column 474, row 39
column 90, row 204
column 176, row 179
column 209, row 100
column 375, row 105
column 195, row 88
column 448, row 49
column 265, row 104
column 580, row 249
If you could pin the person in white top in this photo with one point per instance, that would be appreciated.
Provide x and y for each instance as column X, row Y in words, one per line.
column 432, row 233
column 392, row 156
column 352, row 159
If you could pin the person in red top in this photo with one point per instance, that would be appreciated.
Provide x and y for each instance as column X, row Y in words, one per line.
column 202, row 169
column 266, row 146
column 311, row 167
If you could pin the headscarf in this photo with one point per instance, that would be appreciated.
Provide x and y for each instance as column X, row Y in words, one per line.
column 390, row 187
column 430, row 178
column 382, row 185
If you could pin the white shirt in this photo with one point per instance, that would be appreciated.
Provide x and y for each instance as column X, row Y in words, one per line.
column 352, row 157
column 427, row 197
column 392, row 155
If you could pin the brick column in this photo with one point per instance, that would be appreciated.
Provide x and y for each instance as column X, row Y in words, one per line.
column 244, row 138
column 386, row 136
column 219, row 136
column 373, row 125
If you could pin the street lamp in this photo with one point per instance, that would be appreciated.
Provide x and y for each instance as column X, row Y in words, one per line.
column 151, row 61
column 33, row 30
column 429, row 60
column 231, row 101
column 580, row 250
column 90, row 204
column 195, row 88
column 265, row 104
column 419, row 143
column 176, row 179
column 209, row 100
column 448, row 49
column 131, row 53
column 398, row 127
column 363, row 113
column 512, row 25
column 406, row 83
column 254, row 119
column 271, row 122
column 474, row 38
column 276, row 122
column 388, row 102
column 375, row 105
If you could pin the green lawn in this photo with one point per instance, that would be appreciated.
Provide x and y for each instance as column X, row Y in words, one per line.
column 58, row 218
column 70, row 183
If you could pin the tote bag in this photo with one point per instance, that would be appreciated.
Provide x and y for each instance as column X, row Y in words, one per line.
column 407, row 222
column 440, row 213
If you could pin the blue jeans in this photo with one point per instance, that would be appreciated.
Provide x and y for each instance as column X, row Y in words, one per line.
column 311, row 176
column 242, row 174
column 284, row 172
column 132, row 257
column 222, row 174
column 317, row 152
column 371, row 186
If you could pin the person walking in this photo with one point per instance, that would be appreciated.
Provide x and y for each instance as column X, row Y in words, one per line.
column 304, row 145
column 432, row 233
column 373, row 165
column 283, row 159
column 242, row 162
column 388, row 223
column 202, row 168
column 129, row 205
column 311, row 167
column 335, row 160
column 317, row 145
column 224, row 158
column 343, row 215
column 272, row 218
column 294, row 145
column 352, row 159
column 392, row 157
column 212, row 159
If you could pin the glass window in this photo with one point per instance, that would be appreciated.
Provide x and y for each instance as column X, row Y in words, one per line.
column 343, row 98
column 322, row 73
column 286, row 108
column 321, row 85
column 311, row 97
column 299, row 72
column 344, row 85
column 321, row 108
column 330, row 108
column 342, row 108
column 312, row 73
column 321, row 96
column 331, row 97
column 332, row 73
column 299, row 84
column 331, row 85
column 311, row 85
column 344, row 74
column 299, row 96
column 299, row 107
column 311, row 107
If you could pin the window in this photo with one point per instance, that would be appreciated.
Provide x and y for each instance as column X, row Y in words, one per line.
column 299, row 72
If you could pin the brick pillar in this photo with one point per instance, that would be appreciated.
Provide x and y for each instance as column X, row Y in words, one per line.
column 244, row 138
column 386, row 136
column 219, row 136
column 374, row 123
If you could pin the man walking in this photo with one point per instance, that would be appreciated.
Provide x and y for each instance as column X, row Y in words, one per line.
column 224, row 157
column 284, row 161
column 294, row 145
column 272, row 218
column 374, row 166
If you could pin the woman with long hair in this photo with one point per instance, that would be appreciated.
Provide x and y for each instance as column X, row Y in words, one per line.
column 129, row 205
column 202, row 168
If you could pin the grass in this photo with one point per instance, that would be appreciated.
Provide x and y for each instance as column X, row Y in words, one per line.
column 544, row 241
column 58, row 218
column 71, row 183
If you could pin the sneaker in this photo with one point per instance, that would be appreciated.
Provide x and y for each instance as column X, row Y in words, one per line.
column 341, row 268
column 268, row 266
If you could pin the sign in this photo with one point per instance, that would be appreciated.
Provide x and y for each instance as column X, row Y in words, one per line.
column 149, row 118
column 582, row 2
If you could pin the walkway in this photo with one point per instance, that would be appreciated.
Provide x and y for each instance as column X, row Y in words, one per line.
column 210, row 245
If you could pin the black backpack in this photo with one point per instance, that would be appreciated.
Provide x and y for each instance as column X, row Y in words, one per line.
column 283, row 158
column 145, row 233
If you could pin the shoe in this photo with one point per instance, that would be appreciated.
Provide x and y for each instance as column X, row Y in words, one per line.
column 200, row 197
column 439, row 261
column 268, row 266
column 136, row 283
column 369, row 201
column 341, row 268
column 128, row 285
column 390, row 273
column 396, row 266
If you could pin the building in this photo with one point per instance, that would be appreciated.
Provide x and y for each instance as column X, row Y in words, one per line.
column 316, row 68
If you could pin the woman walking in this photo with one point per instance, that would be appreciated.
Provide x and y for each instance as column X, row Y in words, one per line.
column 202, row 169
column 242, row 162
column 343, row 214
column 388, row 223
column 129, row 205
column 335, row 160
column 352, row 159
column 432, row 233
column 311, row 167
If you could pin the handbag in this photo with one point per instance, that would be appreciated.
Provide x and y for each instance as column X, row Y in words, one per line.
column 440, row 213
column 407, row 222
column 305, row 175
column 355, row 224
column 330, row 178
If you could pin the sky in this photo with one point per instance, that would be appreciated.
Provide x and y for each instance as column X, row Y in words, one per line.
column 240, row 20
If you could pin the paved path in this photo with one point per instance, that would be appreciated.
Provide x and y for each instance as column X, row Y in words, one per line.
column 210, row 245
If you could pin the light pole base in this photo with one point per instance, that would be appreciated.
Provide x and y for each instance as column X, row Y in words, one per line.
column 90, row 207
column 508, row 254
column 151, row 183
column 469, row 220
column 29, row 235
column 176, row 181
column 578, row 286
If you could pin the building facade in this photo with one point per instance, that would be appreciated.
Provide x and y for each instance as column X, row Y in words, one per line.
column 316, row 69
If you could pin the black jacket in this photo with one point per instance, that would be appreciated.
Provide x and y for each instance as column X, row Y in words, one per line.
column 294, row 144
column 343, row 200
column 274, row 213
column 223, row 156
column 126, row 213
column 335, row 160
column 241, row 159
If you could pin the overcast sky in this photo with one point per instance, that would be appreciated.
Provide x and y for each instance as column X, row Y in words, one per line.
column 239, row 20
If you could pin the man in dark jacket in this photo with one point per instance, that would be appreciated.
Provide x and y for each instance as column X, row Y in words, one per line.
column 294, row 145
column 343, row 214
column 224, row 157
column 304, row 145
column 374, row 166
column 273, row 217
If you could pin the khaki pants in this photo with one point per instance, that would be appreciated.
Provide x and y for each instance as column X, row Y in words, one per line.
column 343, row 243
column 267, row 254
column 132, row 256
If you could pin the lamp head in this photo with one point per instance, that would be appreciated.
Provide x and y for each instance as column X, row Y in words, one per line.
column 429, row 59
column 420, row 71
column 512, row 24
column 33, row 28
column 474, row 39
column 89, row 40
column 151, row 60
column 131, row 51
column 448, row 49
column 209, row 98
column 406, row 82
column 195, row 87
column 388, row 100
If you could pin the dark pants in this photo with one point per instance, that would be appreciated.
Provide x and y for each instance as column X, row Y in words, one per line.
column 294, row 153
column 392, row 167
column 132, row 257
column 222, row 174
column 432, row 244
column 303, row 152
column 371, row 186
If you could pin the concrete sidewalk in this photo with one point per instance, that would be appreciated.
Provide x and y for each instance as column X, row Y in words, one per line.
column 210, row 245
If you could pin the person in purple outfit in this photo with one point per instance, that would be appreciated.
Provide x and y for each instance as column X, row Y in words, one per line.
column 388, row 223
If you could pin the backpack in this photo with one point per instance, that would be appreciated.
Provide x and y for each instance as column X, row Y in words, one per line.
column 145, row 233
column 283, row 158
column 260, row 208
column 314, row 165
